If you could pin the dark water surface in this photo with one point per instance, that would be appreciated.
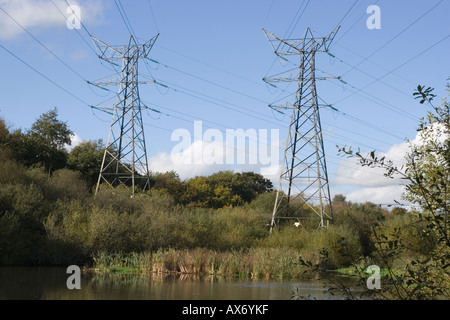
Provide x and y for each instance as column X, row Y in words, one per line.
column 49, row 283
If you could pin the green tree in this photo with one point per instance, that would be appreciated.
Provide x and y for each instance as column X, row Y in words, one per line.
column 87, row 159
column 170, row 182
column 225, row 189
column 427, row 173
column 4, row 132
column 249, row 184
column 44, row 144
column 49, row 136
column 198, row 192
column 52, row 131
column 5, row 152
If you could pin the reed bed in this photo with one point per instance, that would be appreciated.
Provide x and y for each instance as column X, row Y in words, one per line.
column 253, row 263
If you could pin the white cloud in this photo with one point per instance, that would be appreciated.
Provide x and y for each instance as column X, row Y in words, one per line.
column 379, row 195
column 350, row 172
column 373, row 185
column 163, row 162
column 42, row 14
column 370, row 183
column 76, row 140
column 202, row 158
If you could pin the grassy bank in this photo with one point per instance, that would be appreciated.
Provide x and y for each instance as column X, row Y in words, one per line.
column 254, row 263
column 354, row 272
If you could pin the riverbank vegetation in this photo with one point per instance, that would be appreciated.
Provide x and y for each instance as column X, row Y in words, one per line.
column 49, row 215
column 215, row 225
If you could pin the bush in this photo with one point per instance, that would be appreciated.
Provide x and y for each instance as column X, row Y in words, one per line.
column 110, row 231
column 65, row 184
column 118, row 200
column 263, row 204
column 22, row 200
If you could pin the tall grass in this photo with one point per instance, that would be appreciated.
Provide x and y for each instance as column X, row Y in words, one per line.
column 253, row 263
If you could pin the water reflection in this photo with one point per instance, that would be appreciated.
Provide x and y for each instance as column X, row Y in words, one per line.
column 50, row 284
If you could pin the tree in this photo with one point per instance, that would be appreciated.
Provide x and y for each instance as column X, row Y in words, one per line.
column 4, row 132
column 427, row 173
column 221, row 189
column 198, row 192
column 48, row 129
column 4, row 137
column 44, row 144
column 87, row 159
column 249, row 184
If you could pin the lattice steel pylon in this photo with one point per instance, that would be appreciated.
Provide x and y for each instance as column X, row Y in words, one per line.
column 125, row 156
column 303, row 181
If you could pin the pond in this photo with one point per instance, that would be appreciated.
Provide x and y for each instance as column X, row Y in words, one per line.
column 49, row 283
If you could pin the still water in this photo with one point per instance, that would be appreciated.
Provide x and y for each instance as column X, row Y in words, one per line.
column 49, row 283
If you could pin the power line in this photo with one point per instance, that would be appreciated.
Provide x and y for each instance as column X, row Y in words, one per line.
column 348, row 11
column 153, row 15
column 351, row 27
column 44, row 46
column 211, row 66
column 209, row 81
column 368, row 124
column 130, row 29
column 377, row 101
column 78, row 18
column 44, row 76
column 298, row 19
column 124, row 17
column 203, row 79
column 359, row 134
column 52, row 53
column 398, row 67
column 373, row 77
column 374, row 63
column 79, row 34
column 253, row 116
column 221, row 131
column 354, row 118
column 249, row 138
column 268, row 12
column 285, row 35
column 395, row 37
column 195, row 94
column 263, row 101
column 222, row 125
column 65, row 89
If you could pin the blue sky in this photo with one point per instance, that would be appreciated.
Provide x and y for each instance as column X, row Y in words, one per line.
column 212, row 57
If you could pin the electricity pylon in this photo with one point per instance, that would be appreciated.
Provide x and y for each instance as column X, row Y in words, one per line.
column 125, row 156
column 303, row 181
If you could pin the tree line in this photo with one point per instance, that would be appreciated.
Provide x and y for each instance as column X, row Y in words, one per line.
column 45, row 145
